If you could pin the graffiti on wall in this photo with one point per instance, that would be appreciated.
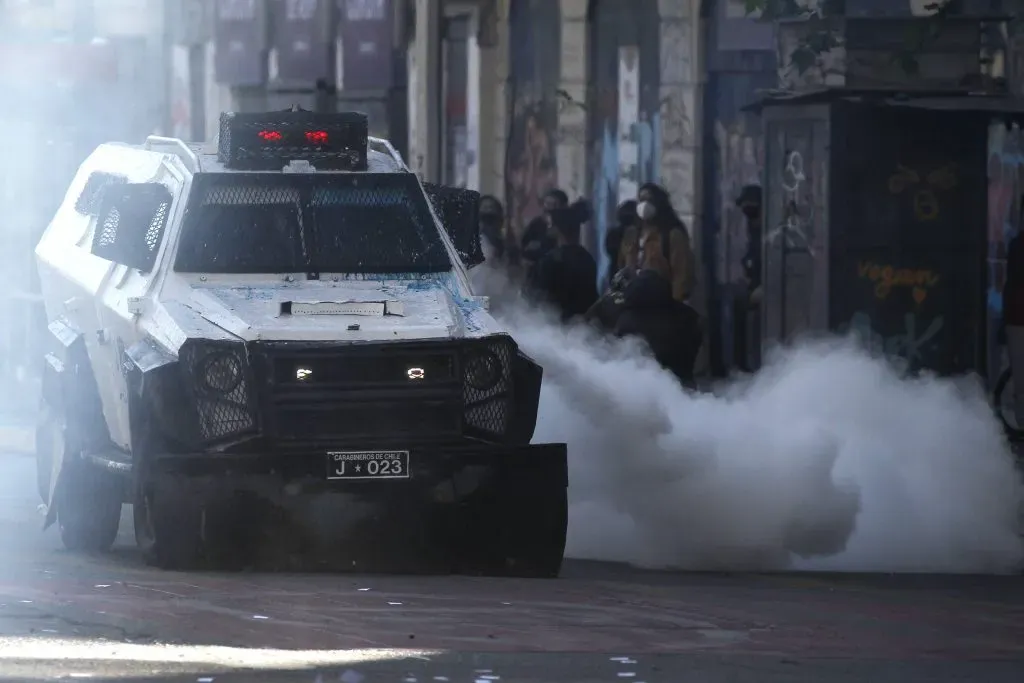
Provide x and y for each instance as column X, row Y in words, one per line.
column 899, row 311
column 532, row 168
column 531, row 161
column 913, row 341
column 626, row 151
column 886, row 278
column 924, row 187
column 794, row 232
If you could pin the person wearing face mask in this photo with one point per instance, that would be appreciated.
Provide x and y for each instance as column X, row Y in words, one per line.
column 745, row 304
column 659, row 242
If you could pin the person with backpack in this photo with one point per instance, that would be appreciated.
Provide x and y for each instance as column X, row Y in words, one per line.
column 659, row 242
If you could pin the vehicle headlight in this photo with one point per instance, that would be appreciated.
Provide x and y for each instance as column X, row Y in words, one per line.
column 221, row 372
column 483, row 370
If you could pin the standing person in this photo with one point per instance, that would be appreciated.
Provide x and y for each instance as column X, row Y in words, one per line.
column 539, row 238
column 660, row 242
column 491, row 218
column 566, row 276
column 1013, row 320
column 625, row 216
column 745, row 325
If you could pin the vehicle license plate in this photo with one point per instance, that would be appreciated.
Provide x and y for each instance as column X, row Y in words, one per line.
column 368, row 464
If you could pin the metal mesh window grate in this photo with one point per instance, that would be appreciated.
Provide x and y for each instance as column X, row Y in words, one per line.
column 131, row 224
column 156, row 226
column 88, row 202
column 245, row 228
column 106, row 234
column 373, row 229
column 354, row 223
column 222, row 399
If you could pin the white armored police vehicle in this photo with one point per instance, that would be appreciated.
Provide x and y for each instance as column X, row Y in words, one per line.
column 285, row 323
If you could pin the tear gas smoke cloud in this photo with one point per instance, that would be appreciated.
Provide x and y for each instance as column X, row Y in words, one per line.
column 826, row 459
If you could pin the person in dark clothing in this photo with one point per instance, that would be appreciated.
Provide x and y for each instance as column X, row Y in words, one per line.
column 745, row 324
column 539, row 237
column 1013, row 319
column 491, row 218
column 566, row 276
column 670, row 328
column 625, row 216
column 749, row 202
column 537, row 240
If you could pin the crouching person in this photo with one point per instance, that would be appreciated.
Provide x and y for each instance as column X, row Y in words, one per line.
column 670, row 328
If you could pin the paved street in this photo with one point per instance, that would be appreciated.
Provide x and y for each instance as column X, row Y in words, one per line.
column 63, row 616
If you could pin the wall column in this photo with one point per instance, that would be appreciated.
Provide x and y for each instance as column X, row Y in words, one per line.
column 572, row 114
column 680, row 116
column 493, row 175
column 424, row 92
column 487, row 132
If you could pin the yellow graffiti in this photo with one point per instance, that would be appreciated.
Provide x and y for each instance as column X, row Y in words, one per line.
column 925, row 199
column 886, row 278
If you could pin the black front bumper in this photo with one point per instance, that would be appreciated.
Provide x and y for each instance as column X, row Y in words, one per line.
column 286, row 471
column 473, row 504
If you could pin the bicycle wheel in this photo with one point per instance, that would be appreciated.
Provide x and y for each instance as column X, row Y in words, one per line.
column 1003, row 397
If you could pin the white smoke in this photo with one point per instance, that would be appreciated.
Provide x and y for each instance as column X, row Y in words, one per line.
column 826, row 459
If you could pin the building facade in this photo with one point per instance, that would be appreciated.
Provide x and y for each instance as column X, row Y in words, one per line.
column 515, row 97
column 262, row 55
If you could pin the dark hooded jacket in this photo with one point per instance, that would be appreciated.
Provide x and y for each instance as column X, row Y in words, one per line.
column 566, row 275
column 670, row 328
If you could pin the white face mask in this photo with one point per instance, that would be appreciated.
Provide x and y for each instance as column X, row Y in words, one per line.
column 645, row 210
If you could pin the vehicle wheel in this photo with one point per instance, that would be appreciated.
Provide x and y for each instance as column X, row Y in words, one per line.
column 517, row 536
column 542, row 558
column 168, row 530
column 46, row 455
column 88, row 507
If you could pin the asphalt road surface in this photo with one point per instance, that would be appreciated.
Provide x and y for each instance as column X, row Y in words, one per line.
column 110, row 618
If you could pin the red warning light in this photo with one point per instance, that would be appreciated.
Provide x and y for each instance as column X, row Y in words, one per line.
column 270, row 136
column 316, row 137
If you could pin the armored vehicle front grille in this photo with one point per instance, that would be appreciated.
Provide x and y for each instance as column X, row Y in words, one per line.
column 300, row 371
column 311, row 392
column 376, row 419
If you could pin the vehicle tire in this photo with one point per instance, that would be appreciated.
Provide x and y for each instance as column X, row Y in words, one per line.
column 516, row 536
column 168, row 530
column 46, row 445
column 88, row 507
column 542, row 559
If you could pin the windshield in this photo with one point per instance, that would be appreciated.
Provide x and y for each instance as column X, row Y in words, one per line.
column 289, row 223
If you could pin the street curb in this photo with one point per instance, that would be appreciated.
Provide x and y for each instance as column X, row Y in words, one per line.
column 17, row 440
